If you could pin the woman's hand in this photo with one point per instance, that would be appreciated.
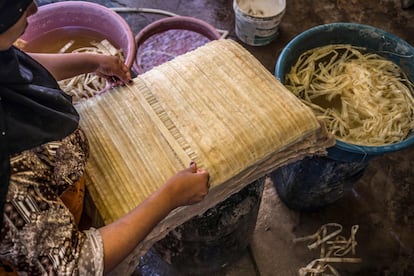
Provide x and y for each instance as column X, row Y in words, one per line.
column 119, row 238
column 63, row 66
column 187, row 187
column 113, row 70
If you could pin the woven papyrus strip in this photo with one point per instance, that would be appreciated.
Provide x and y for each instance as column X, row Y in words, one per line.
column 216, row 105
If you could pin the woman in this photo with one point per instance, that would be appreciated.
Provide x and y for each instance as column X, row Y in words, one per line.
column 43, row 154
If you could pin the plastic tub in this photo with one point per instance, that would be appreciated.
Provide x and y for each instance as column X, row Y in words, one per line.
column 380, row 41
column 70, row 15
column 169, row 37
column 257, row 22
column 315, row 182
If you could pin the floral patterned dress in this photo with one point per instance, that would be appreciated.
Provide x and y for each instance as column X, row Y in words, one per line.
column 39, row 234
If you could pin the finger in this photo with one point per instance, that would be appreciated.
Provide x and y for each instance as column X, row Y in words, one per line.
column 125, row 74
column 125, row 78
column 208, row 179
column 202, row 171
column 115, row 81
column 193, row 166
column 122, row 75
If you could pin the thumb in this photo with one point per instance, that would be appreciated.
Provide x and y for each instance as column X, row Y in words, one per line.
column 193, row 167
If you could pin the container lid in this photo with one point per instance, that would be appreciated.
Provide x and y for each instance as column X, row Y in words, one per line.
column 168, row 38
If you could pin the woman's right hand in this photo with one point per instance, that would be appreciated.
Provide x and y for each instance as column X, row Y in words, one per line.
column 187, row 187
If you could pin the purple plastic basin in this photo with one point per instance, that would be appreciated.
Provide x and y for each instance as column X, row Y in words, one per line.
column 169, row 37
column 85, row 15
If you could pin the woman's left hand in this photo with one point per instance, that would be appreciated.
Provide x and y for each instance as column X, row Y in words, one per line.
column 63, row 66
column 113, row 69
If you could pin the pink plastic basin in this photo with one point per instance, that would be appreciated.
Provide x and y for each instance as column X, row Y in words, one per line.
column 87, row 15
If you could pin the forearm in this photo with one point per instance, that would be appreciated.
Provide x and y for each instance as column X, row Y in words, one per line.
column 63, row 66
column 119, row 238
column 122, row 236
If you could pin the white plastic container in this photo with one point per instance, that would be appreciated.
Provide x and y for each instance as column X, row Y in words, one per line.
column 257, row 21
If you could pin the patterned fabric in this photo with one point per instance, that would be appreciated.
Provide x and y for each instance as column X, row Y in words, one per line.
column 73, row 198
column 40, row 236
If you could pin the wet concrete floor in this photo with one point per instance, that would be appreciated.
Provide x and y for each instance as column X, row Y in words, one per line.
column 381, row 203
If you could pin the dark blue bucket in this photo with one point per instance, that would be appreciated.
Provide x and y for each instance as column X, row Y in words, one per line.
column 374, row 39
column 314, row 182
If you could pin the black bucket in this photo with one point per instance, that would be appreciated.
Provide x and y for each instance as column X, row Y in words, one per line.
column 208, row 242
column 314, row 182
